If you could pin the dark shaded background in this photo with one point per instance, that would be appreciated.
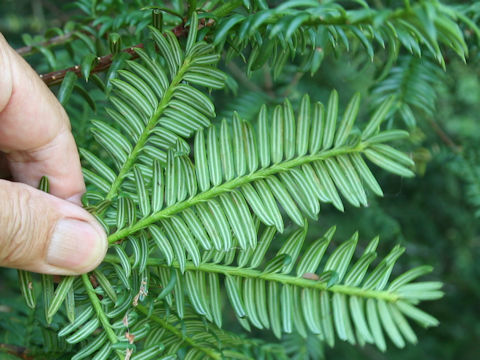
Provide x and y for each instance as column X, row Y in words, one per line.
column 431, row 215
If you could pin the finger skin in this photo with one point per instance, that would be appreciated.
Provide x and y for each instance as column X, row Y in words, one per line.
column 40, row 232
column 35, row 130
column 29, row 223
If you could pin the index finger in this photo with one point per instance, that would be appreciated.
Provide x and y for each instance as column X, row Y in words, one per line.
column 35, row 130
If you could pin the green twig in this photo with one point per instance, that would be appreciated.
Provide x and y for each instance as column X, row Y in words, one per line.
column 100, row 313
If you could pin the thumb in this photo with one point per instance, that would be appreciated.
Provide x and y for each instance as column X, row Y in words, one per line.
column 45, row 234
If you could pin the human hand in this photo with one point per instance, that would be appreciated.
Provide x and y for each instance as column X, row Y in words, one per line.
column 38, row 231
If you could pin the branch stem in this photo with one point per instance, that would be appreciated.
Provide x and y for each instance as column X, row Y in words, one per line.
column 103, row 63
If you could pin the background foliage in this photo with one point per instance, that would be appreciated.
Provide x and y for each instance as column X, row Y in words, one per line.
column 434, row 215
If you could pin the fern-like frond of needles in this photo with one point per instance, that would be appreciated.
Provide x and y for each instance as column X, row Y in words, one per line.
column 412, row 82
column 296, row 163
column 294, row 293
column 299, row 291
column 154, row 109
column 309, row 28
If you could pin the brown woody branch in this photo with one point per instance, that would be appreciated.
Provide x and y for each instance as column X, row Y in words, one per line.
column 104, row 62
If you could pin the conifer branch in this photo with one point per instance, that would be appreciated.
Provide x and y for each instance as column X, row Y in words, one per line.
column 190, row 221
column 146, row 133
column 229, row 186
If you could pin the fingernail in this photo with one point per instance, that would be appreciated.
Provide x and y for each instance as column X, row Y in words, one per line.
column 76, row 245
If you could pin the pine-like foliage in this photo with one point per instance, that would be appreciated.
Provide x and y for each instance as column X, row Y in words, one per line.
column 207, row 218
column 155, row 109
column 412, row 83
